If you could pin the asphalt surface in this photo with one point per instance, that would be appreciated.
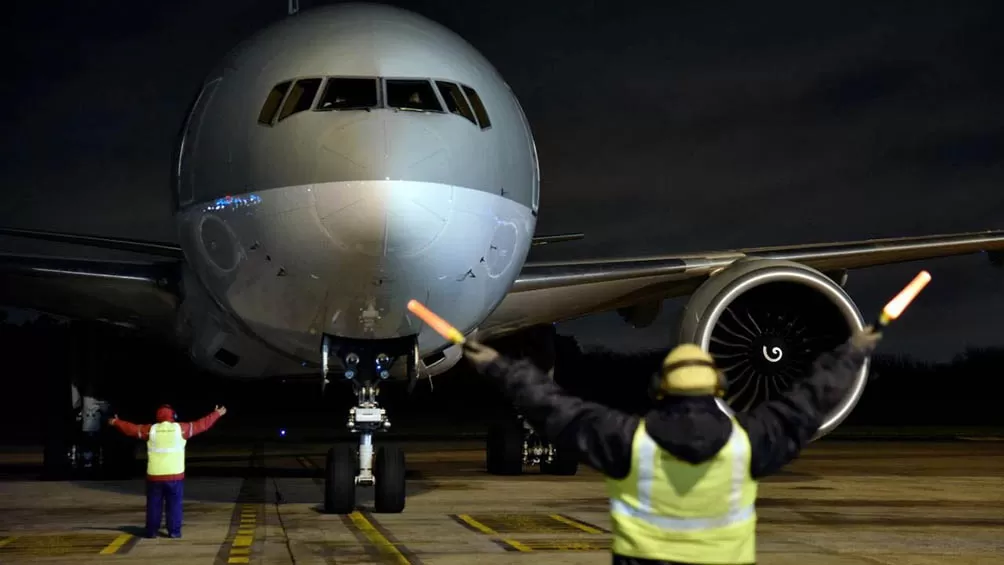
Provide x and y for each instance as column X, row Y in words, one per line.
column 843, row 502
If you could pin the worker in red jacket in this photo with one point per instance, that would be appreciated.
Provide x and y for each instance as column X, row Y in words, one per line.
column 165, row 468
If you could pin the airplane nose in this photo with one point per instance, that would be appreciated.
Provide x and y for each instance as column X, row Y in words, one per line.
column 401, row 206
column 385, row 218
column 392, row 145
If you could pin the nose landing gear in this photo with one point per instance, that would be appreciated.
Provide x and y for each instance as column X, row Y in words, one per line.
column 367, row 363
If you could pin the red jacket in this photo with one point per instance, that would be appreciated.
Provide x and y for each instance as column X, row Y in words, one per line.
column 188, row 431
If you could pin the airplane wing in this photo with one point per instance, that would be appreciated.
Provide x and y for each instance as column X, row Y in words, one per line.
column 557, row 291
column 560, row 238
column 142, row 295
column 145, row 294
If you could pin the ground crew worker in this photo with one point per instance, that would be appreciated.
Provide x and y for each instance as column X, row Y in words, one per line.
column 682, row 480
column 165, row 468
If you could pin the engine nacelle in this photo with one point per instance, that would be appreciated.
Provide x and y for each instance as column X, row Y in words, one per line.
column 765, row 322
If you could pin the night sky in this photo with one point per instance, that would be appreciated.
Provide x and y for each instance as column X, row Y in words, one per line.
column 660, row 128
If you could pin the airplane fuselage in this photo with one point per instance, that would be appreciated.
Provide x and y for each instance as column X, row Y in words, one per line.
column 345, row 161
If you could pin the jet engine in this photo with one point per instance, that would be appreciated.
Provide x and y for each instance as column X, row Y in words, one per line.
column 765, row 322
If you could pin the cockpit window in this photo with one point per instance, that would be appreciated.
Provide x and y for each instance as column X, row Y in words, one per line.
column 301, row 97
column 364, row 93
column 272, row 102
column 349, row 94
column 479, row 107
column 415, row 95
column 455, row 101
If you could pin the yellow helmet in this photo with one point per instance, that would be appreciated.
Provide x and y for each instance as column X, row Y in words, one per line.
column 688, row 370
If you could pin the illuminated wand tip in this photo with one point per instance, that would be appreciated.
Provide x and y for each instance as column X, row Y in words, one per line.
column 897, row 305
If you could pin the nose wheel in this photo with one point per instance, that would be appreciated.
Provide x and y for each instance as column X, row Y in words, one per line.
column 340, row 480
column 342, row 476
column 366, row 365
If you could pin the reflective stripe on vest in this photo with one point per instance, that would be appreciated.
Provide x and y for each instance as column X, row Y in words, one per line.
column 668, row 509
column 165, row 450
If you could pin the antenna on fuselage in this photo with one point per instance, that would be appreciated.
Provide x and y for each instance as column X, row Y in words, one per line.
column 294, row 7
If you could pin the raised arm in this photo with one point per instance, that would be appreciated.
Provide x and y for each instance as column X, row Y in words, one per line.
column 601, row 435
column 192, row 429
column 779, row 429
column 138, row 431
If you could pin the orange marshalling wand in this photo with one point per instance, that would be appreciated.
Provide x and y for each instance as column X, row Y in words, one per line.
column 441, row 326
column 896, row 306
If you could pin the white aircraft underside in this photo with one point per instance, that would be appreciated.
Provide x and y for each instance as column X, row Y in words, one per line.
column 350, row 158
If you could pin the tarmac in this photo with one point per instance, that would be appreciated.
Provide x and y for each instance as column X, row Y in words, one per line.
column 841, row 503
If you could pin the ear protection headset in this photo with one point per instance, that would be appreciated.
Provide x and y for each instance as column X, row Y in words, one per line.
column 655, row 388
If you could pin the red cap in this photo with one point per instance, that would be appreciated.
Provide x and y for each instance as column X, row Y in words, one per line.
column 165, row 414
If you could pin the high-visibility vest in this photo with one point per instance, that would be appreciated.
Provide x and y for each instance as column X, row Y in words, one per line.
column 165, row 450
column 668, row 509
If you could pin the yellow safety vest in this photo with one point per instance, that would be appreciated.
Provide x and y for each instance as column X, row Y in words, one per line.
column 165, row 450
column 668, row 509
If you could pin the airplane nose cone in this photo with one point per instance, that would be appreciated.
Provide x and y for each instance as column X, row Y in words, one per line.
column 384, row 146
column 401, row 206
column 354, row 147
column 385, row 218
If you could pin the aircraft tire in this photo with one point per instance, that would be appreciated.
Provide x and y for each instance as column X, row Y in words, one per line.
column 390, row 490
column 504, row 453
column 58, row 425
column 340, row 481
column 565, row 463
column 118, row 461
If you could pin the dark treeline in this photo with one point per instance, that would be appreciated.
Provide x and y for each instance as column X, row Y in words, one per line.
column 901, row 391
column 138, row 374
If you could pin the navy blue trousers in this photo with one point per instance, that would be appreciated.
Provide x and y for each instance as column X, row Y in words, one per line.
column 161, row 494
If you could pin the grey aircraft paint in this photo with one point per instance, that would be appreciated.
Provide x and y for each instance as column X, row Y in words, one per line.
column 302, row 213
column 330, row 221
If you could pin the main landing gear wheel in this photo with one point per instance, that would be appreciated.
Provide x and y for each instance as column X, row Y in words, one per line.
column 564, row 461
column 340, row 481
column 58, row 428
column 505, row 449
column 389, row 471
column 515, row 444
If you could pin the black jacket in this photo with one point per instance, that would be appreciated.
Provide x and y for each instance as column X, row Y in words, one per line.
column 691, row 428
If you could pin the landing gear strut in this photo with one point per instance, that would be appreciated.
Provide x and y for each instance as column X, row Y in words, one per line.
column 78, row 444
column 366, row 364
column 515, row 444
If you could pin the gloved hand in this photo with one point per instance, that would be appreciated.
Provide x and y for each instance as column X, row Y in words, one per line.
column 866, row 339
column 479, row 355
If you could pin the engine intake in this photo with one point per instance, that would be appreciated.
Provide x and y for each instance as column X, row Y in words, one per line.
column 765, row 322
